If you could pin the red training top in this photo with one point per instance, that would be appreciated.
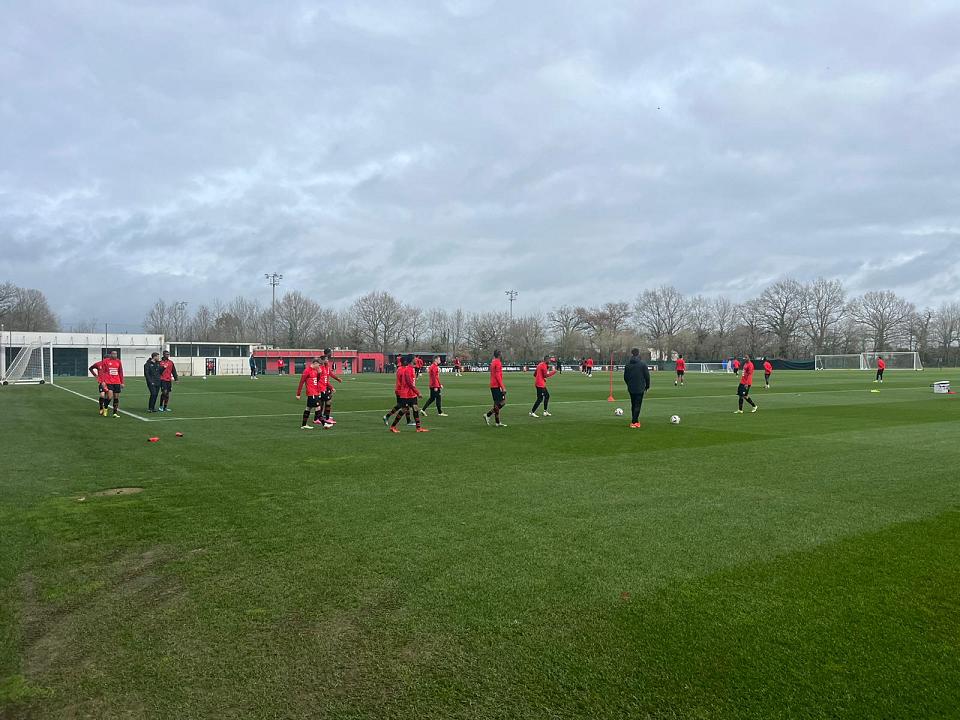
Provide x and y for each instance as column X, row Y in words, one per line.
column 407, row 382
column 589, row 362
column 169, row 372
column 767, row 367
column 434, row 372
column 456, row 362
column 496, row 373
column 95, row 369
column 880, row 364
column 310, row 378
column 418, row 362
column 681, row 365
column 746, row 377
column 110, row 371
column 541, row 374
column 736, row 364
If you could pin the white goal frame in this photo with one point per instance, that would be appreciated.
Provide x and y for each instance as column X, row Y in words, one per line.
column 29, row 367
column 837, row 362
column 896, row 360
column 713, row 367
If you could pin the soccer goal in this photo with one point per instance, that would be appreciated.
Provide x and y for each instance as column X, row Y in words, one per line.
column 27, row 366
column 894, row 360
column 706, row 367
column 839, row 362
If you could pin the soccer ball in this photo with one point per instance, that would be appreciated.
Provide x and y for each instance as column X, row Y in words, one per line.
column 618, row 412
column 675, row 419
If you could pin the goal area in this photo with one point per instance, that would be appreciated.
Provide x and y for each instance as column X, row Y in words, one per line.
column 899, row 360
column 714, row 367
column 27, row 366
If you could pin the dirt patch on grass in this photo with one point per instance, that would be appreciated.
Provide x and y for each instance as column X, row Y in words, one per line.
column 118, row 491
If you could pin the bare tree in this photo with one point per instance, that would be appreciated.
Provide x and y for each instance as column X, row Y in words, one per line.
column 156, row 321
column 946, row 328
column 29, row 311
column 8, row 298
column 202, row 323
column 778, row 310
column 458, row 330
column 724, row 318
column 660, row 314
column 824, row 308
column 751, row 328
column 486, row 332
column 414, row 327
column 565, row 323
column 920, row 326
column 296, row 318
column 438, row 329
column 379, row 320
column 885, row 315
column 605, row 325
column 701, row 321
column 528, row 337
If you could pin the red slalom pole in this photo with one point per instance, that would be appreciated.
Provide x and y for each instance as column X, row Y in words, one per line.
column 610, row 399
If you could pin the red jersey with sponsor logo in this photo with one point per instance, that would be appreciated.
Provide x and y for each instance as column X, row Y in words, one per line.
column 110, row 372
column 168, row 372
column 418, row 363
column 456, row 362
column 95, row 368
column 880, row 364
column 589, row 362
column 541, row 374
column 311, row 380
column 681, row 365
column 434, row 372
column 323, row 377
column 767, row 367
column 746, row 377
column 496, row 373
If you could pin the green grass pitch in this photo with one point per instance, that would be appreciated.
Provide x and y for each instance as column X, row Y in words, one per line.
column 800, row 562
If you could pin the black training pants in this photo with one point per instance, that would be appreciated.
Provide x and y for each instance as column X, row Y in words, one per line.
column 636, row 400
column 154, row 391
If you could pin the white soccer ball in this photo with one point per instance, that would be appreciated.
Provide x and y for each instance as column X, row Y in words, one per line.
column 618, row 412
column 675, row 419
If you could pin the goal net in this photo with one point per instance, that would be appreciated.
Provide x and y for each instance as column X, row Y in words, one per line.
column 27, row 366
column 707, row 367
column 894, row 360
column 839, row 362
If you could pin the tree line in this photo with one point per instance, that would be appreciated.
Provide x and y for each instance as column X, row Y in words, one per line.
column 789, row 319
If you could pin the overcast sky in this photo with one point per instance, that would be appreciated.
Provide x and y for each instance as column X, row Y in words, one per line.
column 447, row 151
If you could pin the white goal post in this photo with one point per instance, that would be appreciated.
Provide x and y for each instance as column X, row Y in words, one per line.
column 707, row 367
column 894, row 360
column 27, row 367
column 839, row 362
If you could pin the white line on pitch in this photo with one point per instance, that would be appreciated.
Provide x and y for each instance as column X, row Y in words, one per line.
column 87, row 397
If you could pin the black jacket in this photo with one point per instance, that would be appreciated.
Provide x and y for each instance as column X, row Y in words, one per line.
column 636, row 376
column 151, row 372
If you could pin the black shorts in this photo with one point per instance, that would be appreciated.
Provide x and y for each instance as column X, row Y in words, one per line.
column 114, row 388
column 766, row 376
column 680, row 373
column 743, row 390
column 166, row 385
column 313, row 401
column 101, row 387
column 499, row 396
column 407, row 402
column 326, row 395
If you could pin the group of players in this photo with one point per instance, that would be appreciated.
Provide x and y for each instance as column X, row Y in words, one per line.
column 160, row 374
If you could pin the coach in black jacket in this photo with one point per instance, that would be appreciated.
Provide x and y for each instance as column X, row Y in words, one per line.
column 151, row 373
column 637, row 377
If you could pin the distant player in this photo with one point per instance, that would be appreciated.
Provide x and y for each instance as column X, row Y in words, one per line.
column 279, row 367
column 540, row 376
column 407, row 395
column 310, row 379
column 457, row 367
column 881, row 366
column 418, row 365
column 435, row 388
column 743, row 389
column 326, row 375
column 151, row 373
column 497, row 390
column 110, row 374
column 636, row 375
column 168, row 377
column 736, row 366
column 253, row 367
column 681, row 369
column 767, row 372
column 589, row 363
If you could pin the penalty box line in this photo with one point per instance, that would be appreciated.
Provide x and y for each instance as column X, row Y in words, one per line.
column 87, row 397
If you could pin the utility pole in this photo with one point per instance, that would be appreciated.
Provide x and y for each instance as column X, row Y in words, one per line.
column 511, row 295
column 274, row 280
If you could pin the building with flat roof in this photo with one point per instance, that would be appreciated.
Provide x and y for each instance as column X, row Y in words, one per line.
column 72, row 353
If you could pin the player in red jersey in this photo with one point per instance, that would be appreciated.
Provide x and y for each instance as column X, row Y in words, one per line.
column 435, row 388
column 168, row 376
column 310, row 379
column 326, row 399
column 881, row 366
column 736, row 366
column 457, row 367
column 104, row 399
column 418, row 365
column 589, row 363
column 540, row 376
column 767, row 372
column 681, row 369
column 407, row 394
column 497, row 390
column 110, row 374
column 743, row 389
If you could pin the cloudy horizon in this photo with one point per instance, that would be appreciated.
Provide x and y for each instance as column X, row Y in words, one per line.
column 449, row 151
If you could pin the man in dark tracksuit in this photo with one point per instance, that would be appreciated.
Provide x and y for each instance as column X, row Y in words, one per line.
column 637, row 377
column 151, row 373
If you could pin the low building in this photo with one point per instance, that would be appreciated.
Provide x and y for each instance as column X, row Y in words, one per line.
column 292, row 361
column 73, row 353
column 211, row 358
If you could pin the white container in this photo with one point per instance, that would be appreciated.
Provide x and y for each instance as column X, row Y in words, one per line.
column 941, row 387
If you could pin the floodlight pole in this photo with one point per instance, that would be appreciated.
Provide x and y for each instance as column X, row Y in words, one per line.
column 273, row 279
column 511, row 295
